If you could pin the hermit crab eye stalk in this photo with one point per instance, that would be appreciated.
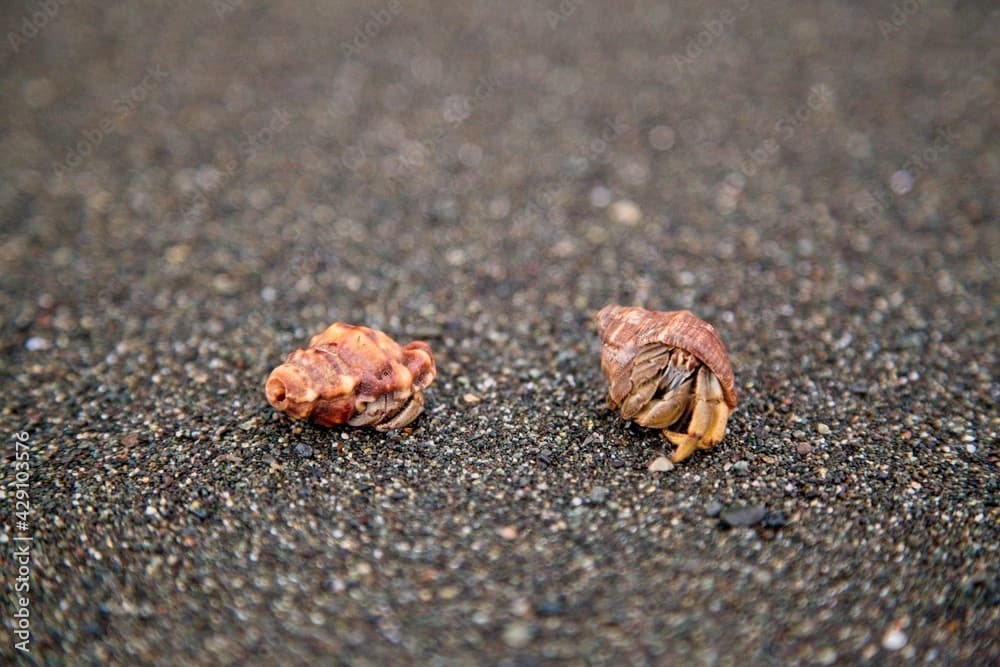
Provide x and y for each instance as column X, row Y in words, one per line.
column 670, row 371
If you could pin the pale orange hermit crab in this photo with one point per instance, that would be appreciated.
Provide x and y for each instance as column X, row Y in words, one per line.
column 667, row 370
column 353, row 375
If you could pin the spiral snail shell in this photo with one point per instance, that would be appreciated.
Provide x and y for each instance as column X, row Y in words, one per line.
column 354, row 375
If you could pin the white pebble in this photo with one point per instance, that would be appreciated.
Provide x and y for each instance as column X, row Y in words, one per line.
column 37, row 343
column 625, row 212
column 901, row 182
column 661, row 464
column 517, row 634
column 894, row 639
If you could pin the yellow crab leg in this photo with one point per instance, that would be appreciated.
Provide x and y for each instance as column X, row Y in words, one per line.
column 708, row 419
column 720, row 414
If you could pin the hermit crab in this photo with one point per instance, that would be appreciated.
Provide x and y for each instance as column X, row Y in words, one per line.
column 667, row 370
column 355, row 375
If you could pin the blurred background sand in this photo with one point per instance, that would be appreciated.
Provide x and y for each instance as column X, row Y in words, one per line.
column 190, row 190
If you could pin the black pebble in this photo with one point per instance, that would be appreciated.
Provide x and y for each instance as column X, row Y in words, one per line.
column 550, row 607
column 743, row 516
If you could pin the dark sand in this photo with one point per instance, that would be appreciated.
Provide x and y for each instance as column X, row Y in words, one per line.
column 190, row 190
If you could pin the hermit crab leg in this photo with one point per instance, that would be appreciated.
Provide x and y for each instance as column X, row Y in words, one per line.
column 644, row 379
column 663, row 412
column 410, row 410
column 372, row 412
column 638, row 398
column 650, row 361
column 708, row 419
column 720, row 413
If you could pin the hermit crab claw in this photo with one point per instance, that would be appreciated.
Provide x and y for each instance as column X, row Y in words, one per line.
column 670, row 371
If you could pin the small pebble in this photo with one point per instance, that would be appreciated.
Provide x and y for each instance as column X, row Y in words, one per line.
column 303, row 450
column 661, row 464
column 625, row 212
column 517, row 634
column 472, row 399
column 741, row 467
column 507, row 532
column 827, row 656
column 37, row 344
column 751, row 515
column 550, row 607
column 822, row 429
column 804, row 448
column 177, row 254
column 901, row 182
column 448, row 592
column 39, row 93
column 600, row 196
column 714, row 509
column 661, row 138
column 894, row 639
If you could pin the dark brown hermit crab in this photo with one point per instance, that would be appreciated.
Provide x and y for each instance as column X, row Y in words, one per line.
column 667, row 370
column 355, row 375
